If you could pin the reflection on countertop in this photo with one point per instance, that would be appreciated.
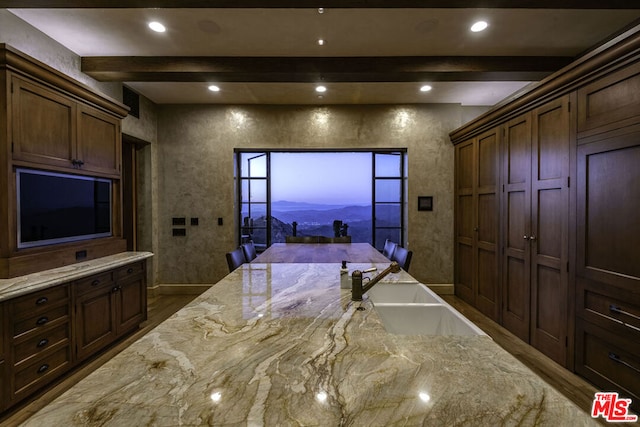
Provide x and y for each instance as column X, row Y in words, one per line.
column 282, row 344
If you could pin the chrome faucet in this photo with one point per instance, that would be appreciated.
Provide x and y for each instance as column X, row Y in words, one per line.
column 357, row 289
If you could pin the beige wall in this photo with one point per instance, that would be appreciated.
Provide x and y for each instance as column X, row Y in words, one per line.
column 195, row 174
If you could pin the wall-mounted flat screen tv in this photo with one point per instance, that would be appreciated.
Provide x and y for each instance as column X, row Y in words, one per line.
column 56, row 208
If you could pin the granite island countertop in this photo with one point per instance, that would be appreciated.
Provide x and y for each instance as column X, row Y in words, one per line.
column 283, row 345
column 14, row 287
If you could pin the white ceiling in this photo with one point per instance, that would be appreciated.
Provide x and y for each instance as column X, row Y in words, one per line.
column 347, row 32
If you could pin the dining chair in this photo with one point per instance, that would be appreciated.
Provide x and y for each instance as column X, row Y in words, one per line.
column 389, row 248
column 302, row 239
column 403, row 257
column 249, row 250
column 339, row 239
column 235, row 258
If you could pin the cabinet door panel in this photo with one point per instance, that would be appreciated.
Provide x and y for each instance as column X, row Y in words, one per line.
column 516, row 222
column 609, row 202
column 43, row 130
column 99, row 141
column 95, row 321
column 132, row 303
column 550, row 228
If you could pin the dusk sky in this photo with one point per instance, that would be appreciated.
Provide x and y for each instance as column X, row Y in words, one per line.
column 331, row 178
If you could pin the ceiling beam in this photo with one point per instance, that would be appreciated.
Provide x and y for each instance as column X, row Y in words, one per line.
column 320, row 69
column 330, row 4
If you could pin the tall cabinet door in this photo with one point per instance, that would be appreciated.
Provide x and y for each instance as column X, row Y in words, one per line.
column 516, row 208
column 549, row 231
column 477, row 218
column 465, row 220
column 487, row 224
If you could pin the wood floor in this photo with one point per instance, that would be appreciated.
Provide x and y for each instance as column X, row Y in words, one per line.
column 163, row 306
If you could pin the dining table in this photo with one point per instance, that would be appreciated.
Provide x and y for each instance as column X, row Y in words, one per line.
column 321, row 253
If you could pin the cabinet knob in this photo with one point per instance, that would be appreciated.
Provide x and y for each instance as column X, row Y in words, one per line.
column 475, row 228
column 41, row 321
column 526, row 237
column 42, row 300
column 42, row 342
column 95, row 282
column 43, row 368
column 532, row 238
column 115, row 289
column 130, row 270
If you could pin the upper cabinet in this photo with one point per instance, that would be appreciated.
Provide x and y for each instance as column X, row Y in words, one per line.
column 51, row 122
column 53, row 130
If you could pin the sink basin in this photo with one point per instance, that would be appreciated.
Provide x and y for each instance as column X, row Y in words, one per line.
column 425, row 319
column 402, row 293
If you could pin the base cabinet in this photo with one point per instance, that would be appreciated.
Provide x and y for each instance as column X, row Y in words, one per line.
column 107, row 306
column 54, row 329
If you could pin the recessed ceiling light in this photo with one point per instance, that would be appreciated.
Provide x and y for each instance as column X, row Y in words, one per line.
column 320, row 42
column 214, row 88
column 157, row 27
column 425, row 88
column 321, row 89
column 479, row 26
column 321, row 10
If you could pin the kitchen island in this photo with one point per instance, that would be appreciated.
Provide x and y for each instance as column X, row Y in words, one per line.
column 281, row 344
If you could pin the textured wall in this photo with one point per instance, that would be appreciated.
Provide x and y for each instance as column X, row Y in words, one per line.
column 195, row 174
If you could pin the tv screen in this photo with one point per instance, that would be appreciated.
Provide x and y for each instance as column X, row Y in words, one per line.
column 57, row 208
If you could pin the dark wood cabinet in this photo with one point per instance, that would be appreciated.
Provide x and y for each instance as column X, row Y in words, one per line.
column 51, row 122
column 608, row 255
column 107, row 306
column 40, row 335
column 536, row 227
column 53, row 130
column 569, row 214
column 43, row 124
column 477, row 213
column 51, row 330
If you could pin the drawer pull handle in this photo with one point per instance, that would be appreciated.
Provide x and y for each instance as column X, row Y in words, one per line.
column 617, row 359
column 618, row 310
column 43, row 368
column 130, row 270
column 42, row 342
column 42, row 300
column 41, row 321
column 95, row 282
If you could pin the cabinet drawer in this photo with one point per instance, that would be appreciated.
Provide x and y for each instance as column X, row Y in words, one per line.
column 130, row 270
column 604, row 309
column 38, row 321
column 91, row 283
column 609, row 360
column 41, row 370
column 38, row 301
column 37, row 343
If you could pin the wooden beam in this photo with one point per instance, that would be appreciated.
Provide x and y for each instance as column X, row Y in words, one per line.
column 315, row 69
column 331, row 4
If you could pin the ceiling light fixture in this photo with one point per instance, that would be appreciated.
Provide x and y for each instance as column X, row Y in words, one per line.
column 321, row 10
column 479, row 26
column 425, row 88
column 214, row 88
column 321, row 42
column 321, row 89
column 157, row 27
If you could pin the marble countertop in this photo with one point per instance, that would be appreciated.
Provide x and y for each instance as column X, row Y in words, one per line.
column 10, row 288
column 283, row 345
